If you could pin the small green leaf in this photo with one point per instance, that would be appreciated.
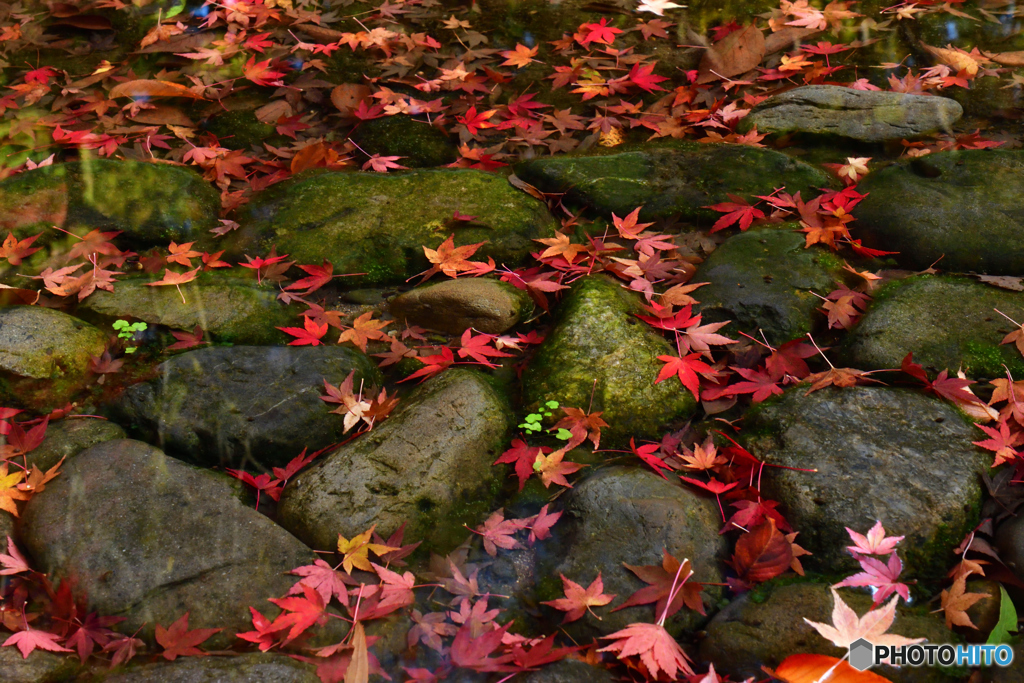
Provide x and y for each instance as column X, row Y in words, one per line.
column 174, row 11
column 118, row 324
column 563, row 434
column 131, row 349
column 533, row 417
column 552, row 404
column 1007, row 620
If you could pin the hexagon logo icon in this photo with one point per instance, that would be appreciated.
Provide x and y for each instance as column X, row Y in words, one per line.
column 862, row 654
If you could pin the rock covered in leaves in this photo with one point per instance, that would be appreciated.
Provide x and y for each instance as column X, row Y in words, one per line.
column 895, row 455
column 69, row 437
column 44, row 355
column 667, row 179
column 171, row 539
column 597, row 337
column 417, row 143
column 453, row 306
column 243, row 406
column 962, row 207
column 766, row 626
column 230, row 308
column 766, row 280
column 253, row 667
column 865, row 115
column 946, row 322
column 630, row 515
column 39, row 667
column 378, row 224
column 149, row 203
column 428, row 464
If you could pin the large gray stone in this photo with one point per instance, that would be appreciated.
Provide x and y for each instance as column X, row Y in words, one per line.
column 243, row 406
column 766, row 280
column 150, row 204
column 947, row 322
column 897, row 456
column 229, row 309
column 597, row 337
column 570, row 671
column 428, row 464
column 245, row 668
column 869, row 116
column 68, row 437
column 668, row 179
column 44, row 355
column 631, row 515
column 39, row 667
column 171, row 539
column 453, row 306
column 378, row 224
column 962, row 207
column 765, row 627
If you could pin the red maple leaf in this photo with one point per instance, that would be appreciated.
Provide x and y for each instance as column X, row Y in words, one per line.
column 261, row 483
column 644, row 78
column 950, row 388
column 597, row 33
column 187, row 340
column 474, row 653
column 686, row 368
column 523, row 456
column 649, row 454
column 261, row 73
column 760, row 384
column 93, row 631
column 882, row 577
column 14, row 562
column 324, row 579
column 434, row 365
column 318, row 277
column 660, row 580
column 300, row 613
column 480, row 348
column 178, row 641
column 582, row 426
column 14, row 250
column 264, row 635
column 738, row 210
column 1001, row 441
column 310, row 334
column 30, row 639
column 578, row 600
column 497, row 532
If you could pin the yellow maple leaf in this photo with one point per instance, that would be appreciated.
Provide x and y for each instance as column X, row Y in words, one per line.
column 355, row 551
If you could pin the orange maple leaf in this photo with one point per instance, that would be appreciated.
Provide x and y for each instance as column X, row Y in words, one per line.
column 176, row 279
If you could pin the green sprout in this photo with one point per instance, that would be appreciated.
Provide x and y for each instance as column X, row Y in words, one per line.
column 533, row 420
column 127, row 331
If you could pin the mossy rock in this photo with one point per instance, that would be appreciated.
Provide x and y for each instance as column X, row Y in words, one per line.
column 875, row 453
column 420, row 144
column 149, row 203
column 668, row 179
column 947, row 322
column 764, row 628
column 44, row 356
column 230, row 308
column 597, row 337
column 239, row 129
column 428, row 465
column 962, row 207
column 378, row 224
column 766, row 280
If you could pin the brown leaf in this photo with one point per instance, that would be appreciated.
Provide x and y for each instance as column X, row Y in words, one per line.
column 1011, row 282
column 272, row 112
column 1008, row 58
column 90, row 22
column 737, row 53
column 163, row 114
column 324, row 35
column 520, row 184
column 347, row 96
column 186, row 42
column 144, row 87
column 762, row 554
column 359, row 668
column 787, row 38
